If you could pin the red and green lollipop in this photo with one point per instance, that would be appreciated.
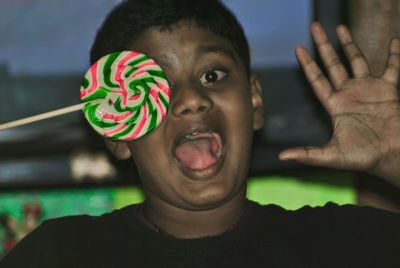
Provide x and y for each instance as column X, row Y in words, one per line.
column 126, row 95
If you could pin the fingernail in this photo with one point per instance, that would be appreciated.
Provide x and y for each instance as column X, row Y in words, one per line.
column 302, row 51
column 301, row 46
column 342, row 29
column 285, row 156
column 316, row 26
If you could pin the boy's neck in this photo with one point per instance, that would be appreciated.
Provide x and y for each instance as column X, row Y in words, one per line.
column 188, row 224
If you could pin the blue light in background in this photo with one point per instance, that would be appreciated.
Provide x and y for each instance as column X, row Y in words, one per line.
column 45, row 37
column 274, row 28
column 49, row 37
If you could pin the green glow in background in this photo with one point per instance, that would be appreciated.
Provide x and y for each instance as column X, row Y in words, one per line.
column 314, row 189
column 288, row 192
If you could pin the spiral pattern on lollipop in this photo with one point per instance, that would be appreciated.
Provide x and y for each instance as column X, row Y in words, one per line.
column 126, row 95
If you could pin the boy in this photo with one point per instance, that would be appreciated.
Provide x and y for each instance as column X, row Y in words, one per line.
column 196, row 213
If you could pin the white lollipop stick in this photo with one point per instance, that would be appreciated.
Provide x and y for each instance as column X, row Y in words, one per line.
column 43, row 116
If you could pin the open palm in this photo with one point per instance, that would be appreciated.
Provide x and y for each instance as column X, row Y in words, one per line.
column 364, row 110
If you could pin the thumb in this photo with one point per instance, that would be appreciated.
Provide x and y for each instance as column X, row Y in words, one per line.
column 316, row 156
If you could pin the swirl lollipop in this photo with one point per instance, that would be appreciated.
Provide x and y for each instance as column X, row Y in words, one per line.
column 126, row 95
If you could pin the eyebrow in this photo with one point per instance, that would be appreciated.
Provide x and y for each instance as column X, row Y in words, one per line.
column 163, row 60
column 217, row 50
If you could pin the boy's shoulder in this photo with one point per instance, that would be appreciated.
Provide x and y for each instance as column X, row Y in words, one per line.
column 73, row 240
column 332, row 220
column 332, row 232
column 330, row 209
column 87, row 224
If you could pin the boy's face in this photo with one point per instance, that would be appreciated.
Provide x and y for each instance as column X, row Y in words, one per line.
column 198, row 158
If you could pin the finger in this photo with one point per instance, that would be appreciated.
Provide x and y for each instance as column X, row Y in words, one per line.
column 357, row 60
column 315, row 156
column 392, row 71
column 315, row 77
column 337, row 72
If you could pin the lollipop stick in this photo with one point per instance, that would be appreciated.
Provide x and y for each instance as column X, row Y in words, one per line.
column 43, row 116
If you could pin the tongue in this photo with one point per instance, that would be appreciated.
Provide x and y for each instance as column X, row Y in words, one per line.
column 198, row 154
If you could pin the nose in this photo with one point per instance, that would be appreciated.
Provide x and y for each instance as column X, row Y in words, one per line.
column 190, row 100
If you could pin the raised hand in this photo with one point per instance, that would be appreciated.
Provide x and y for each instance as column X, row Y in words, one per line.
column 364, row 110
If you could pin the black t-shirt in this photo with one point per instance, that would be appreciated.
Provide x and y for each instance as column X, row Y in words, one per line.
column 269, row 236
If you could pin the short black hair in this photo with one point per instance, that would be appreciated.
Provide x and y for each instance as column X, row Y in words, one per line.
column 128, row 20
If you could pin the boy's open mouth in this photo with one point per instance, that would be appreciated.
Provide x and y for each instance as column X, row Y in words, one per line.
column 199, row 150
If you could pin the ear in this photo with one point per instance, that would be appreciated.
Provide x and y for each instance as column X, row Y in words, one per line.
column 257, row 101
column 119, row 149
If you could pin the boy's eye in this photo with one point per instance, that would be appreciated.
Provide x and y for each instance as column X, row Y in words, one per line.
column 211, row 77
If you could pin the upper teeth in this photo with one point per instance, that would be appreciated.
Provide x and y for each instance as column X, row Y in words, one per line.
column 194, row 134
